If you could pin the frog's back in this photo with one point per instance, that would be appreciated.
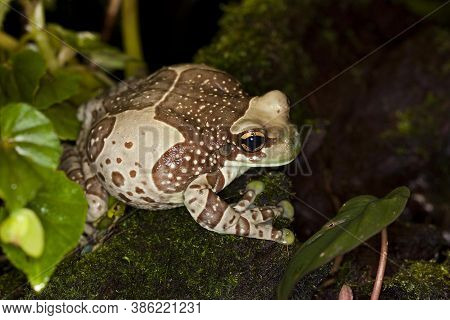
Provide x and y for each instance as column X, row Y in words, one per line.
column 144, row 139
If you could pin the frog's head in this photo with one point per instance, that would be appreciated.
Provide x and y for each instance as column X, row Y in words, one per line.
column 264, row 134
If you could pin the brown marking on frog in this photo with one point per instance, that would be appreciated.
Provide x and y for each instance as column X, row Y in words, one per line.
column 101, row 176
column 128, row 144
column 139, row 190
column 142, row 93
column 242, row 227
column 202, row 106
column 275, row 234
column 216, row 180
column 124, row 197
column 94, row 187
column 97, row 135
column 148, row 199
column 267, row 214
column 213, row 211
column 133, row 173
column 180, row 165
column 75, row 175
column 117, row 178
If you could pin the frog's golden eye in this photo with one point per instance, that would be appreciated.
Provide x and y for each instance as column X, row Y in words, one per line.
column 253, row 141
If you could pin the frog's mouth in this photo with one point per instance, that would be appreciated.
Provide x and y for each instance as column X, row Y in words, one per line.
column 259, row 164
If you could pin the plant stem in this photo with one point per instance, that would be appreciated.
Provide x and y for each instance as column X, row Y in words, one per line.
column 7, row 42
column 131, row 38
column 110, row 18
column 381, row 266
column 34, row 10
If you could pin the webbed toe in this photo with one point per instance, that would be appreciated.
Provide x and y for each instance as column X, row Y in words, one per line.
column 288, row 209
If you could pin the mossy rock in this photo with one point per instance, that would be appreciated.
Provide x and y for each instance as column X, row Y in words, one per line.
column 420, row 280
column 167, row 255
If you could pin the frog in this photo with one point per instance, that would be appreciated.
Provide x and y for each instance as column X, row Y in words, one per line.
column 177, row 138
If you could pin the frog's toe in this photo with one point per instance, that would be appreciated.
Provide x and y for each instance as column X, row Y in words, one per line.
column 288, row 209
column 287, row 237
column 256, row 185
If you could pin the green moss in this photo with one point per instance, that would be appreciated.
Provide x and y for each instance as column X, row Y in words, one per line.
column 276, row 188
column 257, row 44
column 419, row 280
column 12, row 284
column 418, row 126
column 167, row 255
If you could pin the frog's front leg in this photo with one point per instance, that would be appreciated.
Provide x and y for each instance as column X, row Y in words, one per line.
column 253, row 189
column 214, row 214
column 262, row 214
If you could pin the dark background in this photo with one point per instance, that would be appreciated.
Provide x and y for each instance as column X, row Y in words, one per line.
column 171, row 31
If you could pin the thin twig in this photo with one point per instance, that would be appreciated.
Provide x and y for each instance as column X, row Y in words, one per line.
column 381, row 266
column 131, row 39
column 110, row 19
column 336, row 264
column 35, row 14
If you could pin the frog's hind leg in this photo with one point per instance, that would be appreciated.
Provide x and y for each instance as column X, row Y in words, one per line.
column 97, row 197
column 70, row 164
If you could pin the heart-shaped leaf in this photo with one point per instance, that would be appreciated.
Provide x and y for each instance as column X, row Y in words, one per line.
column 2, row 213
column 23, row 229
column 359, row 219
column 61, row 207
column 56, row 88
column 64, row 119
column 20, row 78
column 29, row 147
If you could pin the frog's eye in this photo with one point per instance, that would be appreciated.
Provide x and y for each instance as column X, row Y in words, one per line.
column 253, row 141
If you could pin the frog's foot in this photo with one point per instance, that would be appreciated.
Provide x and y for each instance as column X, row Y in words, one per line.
column 287, row 209
column 253, row 189
column 264, row 214
column 248, row 224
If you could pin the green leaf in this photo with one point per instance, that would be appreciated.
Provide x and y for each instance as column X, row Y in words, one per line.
column 359, row 219
column 19, row 79
column 23, row 229
column 56, row 88
column 4, row 8
column 64, row 119
column 109, row 58
column 91, row 46
column 29, row 147
column 2, row 213
column 61, row 207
